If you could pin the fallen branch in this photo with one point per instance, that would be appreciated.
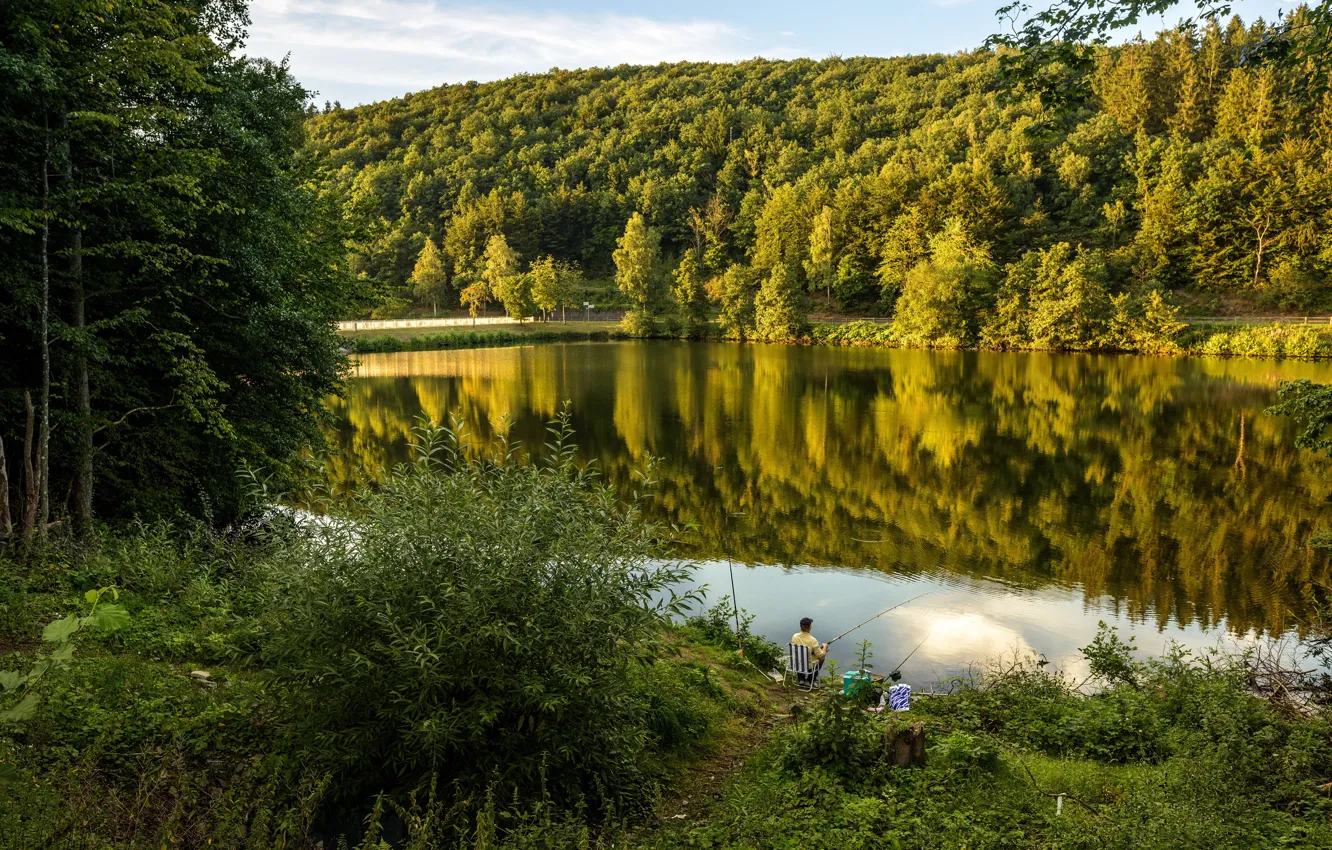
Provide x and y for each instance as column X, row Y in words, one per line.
column 1063, row 794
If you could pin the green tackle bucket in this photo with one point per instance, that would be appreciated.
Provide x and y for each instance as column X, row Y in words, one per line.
column 855, row 683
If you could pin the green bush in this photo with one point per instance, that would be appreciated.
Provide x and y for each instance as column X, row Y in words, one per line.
column 1217, row 344
column 1274, row 341
column 478, row 620
column 1307, row 342
column 1119, row 726
column 639, row 324
column 853, row 333
column 716, row 626
column 471, row 339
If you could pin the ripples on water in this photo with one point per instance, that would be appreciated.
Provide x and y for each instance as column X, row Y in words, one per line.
column 1033, row 493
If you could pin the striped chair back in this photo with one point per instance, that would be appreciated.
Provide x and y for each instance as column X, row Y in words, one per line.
column 797, row 658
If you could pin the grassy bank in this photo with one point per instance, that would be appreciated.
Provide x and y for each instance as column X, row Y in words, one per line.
column 1292, row 341
column 129, row 750
column 1172, row 753
column 368, row 342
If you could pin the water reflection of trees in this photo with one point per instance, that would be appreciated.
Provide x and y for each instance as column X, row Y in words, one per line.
column 1118, row 474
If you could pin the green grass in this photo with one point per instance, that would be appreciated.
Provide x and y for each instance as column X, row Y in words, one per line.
column 1293, row 341
column 367, row 342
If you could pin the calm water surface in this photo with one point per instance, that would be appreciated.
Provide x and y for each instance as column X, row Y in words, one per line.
column 1031, row 494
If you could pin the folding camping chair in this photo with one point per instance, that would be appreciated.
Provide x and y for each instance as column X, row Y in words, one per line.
column 797, row 667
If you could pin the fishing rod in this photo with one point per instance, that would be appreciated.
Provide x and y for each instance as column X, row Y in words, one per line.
column 875, row 617
column 735, row 600
column 897, row 671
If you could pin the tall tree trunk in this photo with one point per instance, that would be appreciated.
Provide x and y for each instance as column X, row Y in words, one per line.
column 83, row 445
column 6, row 523
column 44, row 428
column 83, row 439
column 1261, row 230
column 31, row 485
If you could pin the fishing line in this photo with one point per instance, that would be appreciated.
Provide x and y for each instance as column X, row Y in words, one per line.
column 877, row 616
column 735, row 600
column 897, row 671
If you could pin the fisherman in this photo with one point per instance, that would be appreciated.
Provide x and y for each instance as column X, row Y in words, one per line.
column 817, row 651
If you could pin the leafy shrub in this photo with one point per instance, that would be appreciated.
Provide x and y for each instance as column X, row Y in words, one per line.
column 1118, row 726
column 20, row 690
column 390, row 307
column 1017, row 700
column 716, row 626
column 853, row 333
column 1110, row 658
column 964, row 751
column 478, row 619
column 679, row 704
column 637, row 323
column 1307, row 342
column 471, row 339
column 1217, row 344
column 836, row 734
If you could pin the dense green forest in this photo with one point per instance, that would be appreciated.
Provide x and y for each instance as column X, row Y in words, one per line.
column 921, row 187
column 167, row 271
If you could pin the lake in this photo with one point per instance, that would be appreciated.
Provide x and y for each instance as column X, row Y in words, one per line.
column 1030, row 494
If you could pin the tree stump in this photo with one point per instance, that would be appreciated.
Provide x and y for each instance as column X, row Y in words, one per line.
column 906, row 747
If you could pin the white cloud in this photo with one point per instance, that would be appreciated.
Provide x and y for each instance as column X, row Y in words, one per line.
column 414, row 44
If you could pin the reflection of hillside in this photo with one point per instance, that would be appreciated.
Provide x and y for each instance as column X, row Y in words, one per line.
column 1114, row 473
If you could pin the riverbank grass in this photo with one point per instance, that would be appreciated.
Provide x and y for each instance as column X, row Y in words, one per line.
column 1310, row 342
column 377, row 341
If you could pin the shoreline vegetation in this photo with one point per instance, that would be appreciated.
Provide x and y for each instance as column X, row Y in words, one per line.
column 1307, row 342
column 286, row 684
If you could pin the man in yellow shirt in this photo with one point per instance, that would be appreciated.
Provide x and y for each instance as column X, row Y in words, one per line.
column 817, row 651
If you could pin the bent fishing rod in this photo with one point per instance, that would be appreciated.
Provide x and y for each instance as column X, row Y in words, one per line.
column 875, row 617
column 897, row 671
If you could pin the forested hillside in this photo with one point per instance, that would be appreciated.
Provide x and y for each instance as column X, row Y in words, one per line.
column 861, row 179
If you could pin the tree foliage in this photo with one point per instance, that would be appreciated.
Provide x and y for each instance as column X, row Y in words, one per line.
column 637, row 266
column 195, row 263
column 429, row 279
column 1198, row 171
column 943, row 297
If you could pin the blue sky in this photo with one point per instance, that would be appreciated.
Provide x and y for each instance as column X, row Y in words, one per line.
column 358, row 51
